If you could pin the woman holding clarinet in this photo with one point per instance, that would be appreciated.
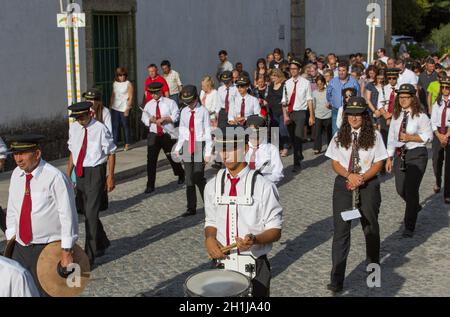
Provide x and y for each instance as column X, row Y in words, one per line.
column 409, row 133
column 357, row 152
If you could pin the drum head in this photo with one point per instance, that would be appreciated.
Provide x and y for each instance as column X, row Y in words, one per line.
column 217, row 283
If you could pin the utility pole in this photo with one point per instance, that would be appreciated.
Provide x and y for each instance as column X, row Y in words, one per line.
column 373, row 21
column 71, row 19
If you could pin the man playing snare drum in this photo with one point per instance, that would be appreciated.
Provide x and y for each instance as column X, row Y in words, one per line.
column 258, row 215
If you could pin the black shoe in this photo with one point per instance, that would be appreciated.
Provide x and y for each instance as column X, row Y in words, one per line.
column 297, row 168
column 335, row 288
column 189, row 213
column 407, row 233
column 180, row 180
column 149, row 190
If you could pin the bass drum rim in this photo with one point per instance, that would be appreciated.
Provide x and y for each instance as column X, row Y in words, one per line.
column 244, row 293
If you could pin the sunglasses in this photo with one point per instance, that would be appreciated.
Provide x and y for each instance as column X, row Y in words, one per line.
column 392, row 78
column 445, row 87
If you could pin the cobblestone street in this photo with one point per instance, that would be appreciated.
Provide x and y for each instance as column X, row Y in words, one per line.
column 153, row 250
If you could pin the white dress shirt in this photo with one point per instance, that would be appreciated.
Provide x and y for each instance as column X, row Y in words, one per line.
column 3, row 149
column 202, row 128
column 222, row 94
column 16, row 281
column 252, row 107
column 210, row 100
column 303, row 93
column 107, row 121
column 265, row 213
column 339, row 118
column 408, row 77
column 53, row 215
column 436, row 115
column 167, row 108
column 367, row 157
column 419, row 125
column 173, row 81
column 267, row 153
column 100, row 143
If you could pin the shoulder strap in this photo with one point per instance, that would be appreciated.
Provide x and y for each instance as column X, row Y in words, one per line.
column 220, row 182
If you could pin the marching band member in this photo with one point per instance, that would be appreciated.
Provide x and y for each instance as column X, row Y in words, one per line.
column 409, row 133
column 41, row 207
column 16, row 281
column 98, row 111
column 357, row 153
column 226, row 95
column 258, row 223
column 196, row 144
column 297, row 100
column 244, row 104
column 390, row 91
column 263, row 156
column 92, row 151
column 440, row 121
column 160, row 114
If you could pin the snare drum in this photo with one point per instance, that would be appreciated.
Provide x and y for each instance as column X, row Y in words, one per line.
column 217, row 283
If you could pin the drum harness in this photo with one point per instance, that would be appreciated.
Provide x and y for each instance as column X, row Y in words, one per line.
column 243, row 263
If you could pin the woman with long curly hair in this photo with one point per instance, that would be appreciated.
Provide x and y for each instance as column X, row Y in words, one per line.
column 357, row 153
column 440, row 121
column 409, row 133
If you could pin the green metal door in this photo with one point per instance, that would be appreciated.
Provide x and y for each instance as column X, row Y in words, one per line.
column 106, row 52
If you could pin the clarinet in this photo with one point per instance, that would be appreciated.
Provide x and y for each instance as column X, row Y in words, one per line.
column 403, row 148
column 355, row 170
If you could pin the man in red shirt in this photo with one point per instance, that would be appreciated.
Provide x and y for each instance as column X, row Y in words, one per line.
column 154, row 77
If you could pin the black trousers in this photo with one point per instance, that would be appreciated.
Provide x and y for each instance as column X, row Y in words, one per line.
column 91, row 187
column 261, row 281
column 370, row 201
column 154, row 145
column 297, row 132
column 223, row 118
column 2, row 220
column 28, row 257
column 195, row 174
column 439, row 155
column 322, row 126
column 384, row 129
column 408, row 183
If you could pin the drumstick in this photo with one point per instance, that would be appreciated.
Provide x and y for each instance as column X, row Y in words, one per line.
column 227, row 249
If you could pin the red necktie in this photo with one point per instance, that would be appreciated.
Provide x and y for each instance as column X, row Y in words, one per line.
column 227, row 102
column 243, row 108
column 443, row 129
column 192, row 133
column 252, row 163
column 81, row 156
column 159, row 129
column 233, row 193
column 391, row 100
column 292, row 101
column 25, row 231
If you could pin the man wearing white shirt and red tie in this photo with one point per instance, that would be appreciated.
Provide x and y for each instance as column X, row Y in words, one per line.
column 256, row 212
column 159, row 115
column 261, row 155
column 297, row 100
column 41, row 207
column 226, row 95
column 195, row 143
column 92, row 151
column 245, row 105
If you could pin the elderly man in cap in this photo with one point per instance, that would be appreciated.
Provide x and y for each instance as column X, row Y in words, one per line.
column 297, row 100
column 159, row 115
column 195, row 144
column 245, row 105
column 41, row 206
column 259, row 220
column 92, row 151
